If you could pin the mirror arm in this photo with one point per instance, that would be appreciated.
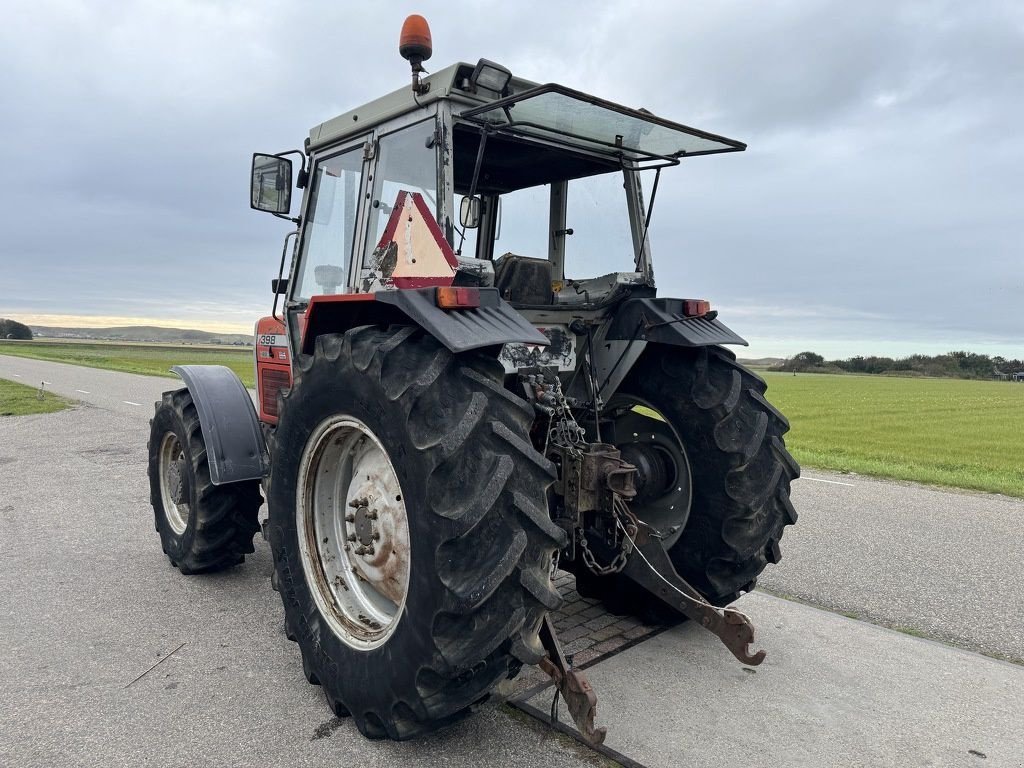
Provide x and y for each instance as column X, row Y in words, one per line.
column 303, row 176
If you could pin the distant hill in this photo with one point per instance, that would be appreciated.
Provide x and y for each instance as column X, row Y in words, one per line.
column 763, row 362
column 143, row 333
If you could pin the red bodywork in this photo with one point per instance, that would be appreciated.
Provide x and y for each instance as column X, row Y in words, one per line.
column 273, row 362
column 273, row 366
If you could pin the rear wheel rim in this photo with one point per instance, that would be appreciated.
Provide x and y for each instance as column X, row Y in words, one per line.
column 353, row 532
column 173, row 488
column 666, row 508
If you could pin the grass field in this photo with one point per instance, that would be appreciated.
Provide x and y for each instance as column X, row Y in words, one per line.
column 966, row 434
column 149, row 359
column 20, row 400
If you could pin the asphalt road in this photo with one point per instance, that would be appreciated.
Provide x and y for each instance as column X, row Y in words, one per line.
column 946, row 564
column 90, row 605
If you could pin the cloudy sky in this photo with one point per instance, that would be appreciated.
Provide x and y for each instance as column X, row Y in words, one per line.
column 878, row 209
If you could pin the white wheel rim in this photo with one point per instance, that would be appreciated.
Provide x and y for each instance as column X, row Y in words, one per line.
column 173, row 486
column 353, row 532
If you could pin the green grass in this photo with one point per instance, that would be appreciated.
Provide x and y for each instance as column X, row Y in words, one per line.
column 965, row 434
column 20, row 400
column 149, row 359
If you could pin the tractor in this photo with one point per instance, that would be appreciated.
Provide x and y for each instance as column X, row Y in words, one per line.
column 457, row 396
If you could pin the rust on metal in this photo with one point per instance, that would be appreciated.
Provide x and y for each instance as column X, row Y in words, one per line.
column 572, row 685
column 654, row 571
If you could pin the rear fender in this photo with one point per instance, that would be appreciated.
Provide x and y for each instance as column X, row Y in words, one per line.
column 642, row 321
column 493, row 323
column 662, row 321
column 234, row 441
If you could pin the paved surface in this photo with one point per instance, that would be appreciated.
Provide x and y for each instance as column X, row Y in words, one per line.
column 113, row 391
column 832, row 692
column 946, row 563
column 90, row 605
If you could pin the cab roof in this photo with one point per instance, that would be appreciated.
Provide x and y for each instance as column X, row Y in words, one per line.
column 551, row 112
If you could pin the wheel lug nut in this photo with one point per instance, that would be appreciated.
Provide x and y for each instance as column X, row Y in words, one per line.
column 351, row 537
column 350, row 518
column 360, row 550
column 372, row 514
column 376, row 535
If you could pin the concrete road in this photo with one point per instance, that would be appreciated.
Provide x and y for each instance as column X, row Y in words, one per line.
column 90, row 605
column 832, row 692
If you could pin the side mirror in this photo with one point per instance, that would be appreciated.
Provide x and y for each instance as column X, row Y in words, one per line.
column 271, row 184
column 469, row 212
column 279, row 285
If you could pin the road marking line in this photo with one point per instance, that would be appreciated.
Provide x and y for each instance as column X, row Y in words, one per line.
column 83, row 391
column 831, row 482
column 16, row 374
column 129, row 402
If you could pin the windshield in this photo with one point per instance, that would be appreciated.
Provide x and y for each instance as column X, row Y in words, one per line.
column 545, row 202
column 554, row 112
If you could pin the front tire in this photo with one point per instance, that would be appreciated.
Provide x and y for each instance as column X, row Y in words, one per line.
column 472, row 568
column 203, row 527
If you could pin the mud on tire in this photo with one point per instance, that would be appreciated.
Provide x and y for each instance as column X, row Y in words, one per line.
column 480, row 537
column 202, row 527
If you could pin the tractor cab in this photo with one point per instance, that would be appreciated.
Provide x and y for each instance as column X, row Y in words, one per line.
column 476, row 178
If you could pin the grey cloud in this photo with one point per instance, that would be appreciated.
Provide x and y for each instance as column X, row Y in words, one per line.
column 881, row 188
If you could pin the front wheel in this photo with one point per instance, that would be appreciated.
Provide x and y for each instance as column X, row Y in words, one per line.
column 203, row 527
column 409, row 528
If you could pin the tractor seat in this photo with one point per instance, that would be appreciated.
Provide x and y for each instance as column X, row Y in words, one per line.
column 522, row 279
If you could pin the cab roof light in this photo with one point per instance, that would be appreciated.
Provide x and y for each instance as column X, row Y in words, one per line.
column 458, row 298
column 491, row 76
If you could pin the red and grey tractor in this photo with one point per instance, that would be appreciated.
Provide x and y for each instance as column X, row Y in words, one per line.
column 457, row 394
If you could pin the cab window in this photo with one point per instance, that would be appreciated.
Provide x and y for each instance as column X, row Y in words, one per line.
column 330, row 225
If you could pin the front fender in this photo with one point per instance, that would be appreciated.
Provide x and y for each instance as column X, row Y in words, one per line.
column 234, row 441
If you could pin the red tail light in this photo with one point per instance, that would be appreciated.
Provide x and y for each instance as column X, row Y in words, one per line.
column 458, row 298
column 696, row 307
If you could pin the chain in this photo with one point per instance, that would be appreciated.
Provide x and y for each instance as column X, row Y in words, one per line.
column 624, row 520
column 564, row 431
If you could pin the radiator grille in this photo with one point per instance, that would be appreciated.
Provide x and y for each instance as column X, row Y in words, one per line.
column 272, row 381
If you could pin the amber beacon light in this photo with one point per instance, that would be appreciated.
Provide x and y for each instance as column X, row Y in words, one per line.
column 415, row 46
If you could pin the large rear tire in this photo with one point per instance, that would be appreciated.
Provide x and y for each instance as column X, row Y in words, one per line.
column 739, row 472
column 409, row 610
column 203, row 527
